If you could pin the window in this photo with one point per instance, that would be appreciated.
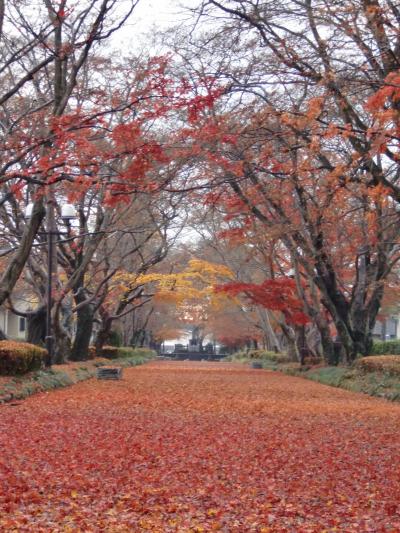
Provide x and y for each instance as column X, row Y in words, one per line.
column 22, row 324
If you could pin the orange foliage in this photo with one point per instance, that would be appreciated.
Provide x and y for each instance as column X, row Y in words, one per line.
column 20, row 357
column 182, row 448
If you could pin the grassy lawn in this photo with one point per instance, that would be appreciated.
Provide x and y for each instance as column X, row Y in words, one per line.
column 380, row 383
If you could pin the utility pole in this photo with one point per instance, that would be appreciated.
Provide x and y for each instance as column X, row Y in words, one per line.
column 51, row 229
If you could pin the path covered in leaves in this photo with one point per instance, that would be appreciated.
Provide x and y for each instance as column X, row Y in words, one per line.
column 195, row 447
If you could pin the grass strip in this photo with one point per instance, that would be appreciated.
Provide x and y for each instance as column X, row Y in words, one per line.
column 20, row 387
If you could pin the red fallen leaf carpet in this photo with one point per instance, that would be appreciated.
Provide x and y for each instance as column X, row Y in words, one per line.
column 195, row 447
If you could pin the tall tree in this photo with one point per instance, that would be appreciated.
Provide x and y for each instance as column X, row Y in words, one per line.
column 302, row 152
column 43, row 54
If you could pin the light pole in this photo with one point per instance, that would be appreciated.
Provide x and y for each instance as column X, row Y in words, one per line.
column 68, row 214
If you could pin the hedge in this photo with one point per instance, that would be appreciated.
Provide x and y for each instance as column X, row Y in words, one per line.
column 109, row 352
column 388, row 364
column 20, row 357
column 119, row 352
column 129, row 351
column 262, row 354
column 386, row 347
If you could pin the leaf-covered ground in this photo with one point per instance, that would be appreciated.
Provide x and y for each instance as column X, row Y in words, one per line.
column 195, row 447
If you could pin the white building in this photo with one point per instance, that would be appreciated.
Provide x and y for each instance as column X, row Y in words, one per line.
column 387, row 329
column 14, row 327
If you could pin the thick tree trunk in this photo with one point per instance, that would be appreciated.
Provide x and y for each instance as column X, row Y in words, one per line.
column 62, row 348
column 36, row 328
column 326, row 341
column 134, row 338
column 101, row 340
column 355, row 336
column 84, row 329
column 142, row 338
column 139, row 338
column 327, row 344
column 353, row 320
column 290, row 337
column 62, row 340
column 103, row 335
column 18, row 260
column 354, row 342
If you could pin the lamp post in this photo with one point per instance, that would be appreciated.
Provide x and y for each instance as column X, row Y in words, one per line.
column 68, row 214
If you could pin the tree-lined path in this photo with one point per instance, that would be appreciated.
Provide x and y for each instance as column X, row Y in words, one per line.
column 194, row 447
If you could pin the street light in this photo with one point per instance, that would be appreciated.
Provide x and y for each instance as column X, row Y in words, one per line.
column 68, row 214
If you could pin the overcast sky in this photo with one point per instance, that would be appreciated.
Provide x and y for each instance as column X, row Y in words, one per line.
column 149, row 14
column 160, row 12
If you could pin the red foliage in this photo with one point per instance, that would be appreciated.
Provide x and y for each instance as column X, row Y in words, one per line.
column 277, row 294
column 389, row 91
column 198, row 448
column 89, row 138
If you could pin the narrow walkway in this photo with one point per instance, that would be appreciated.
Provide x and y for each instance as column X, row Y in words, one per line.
column 195, row 447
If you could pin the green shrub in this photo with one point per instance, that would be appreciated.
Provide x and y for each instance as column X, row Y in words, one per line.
column 132, row 361
column 262, row 355
column 114, row 339
column 119, row 352
column 388, row 364
column 136, row 352
column 20, row 357
column 330, row 375
column 386, row 347
column 126, row 351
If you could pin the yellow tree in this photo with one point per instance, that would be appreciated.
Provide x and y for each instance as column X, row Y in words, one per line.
column 188, row 295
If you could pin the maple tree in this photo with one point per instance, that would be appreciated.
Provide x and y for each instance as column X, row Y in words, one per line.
column 257, row 262
column 295, row 146
column 125, row 287
column 306, row 146
column 95, row 143
column 188, row 294
column 275, row 294
column 66, row 128
column 43, row 55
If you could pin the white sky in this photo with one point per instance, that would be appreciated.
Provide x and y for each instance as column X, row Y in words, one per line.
column 149, row 15
column 159, row 12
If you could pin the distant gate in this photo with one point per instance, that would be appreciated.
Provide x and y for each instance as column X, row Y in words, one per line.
column 180, row 352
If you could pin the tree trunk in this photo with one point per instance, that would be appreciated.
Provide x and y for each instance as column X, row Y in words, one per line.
column 270, row 336
column 62, row 348
column 84, row 329
column 356, row 339
column 18, row 260
column 290, row 337
column 84, row 325
column 103, row 335
column 62, row 341
column 354, row 319
column 37, row 326
column 101, row 339
column 327, row 346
